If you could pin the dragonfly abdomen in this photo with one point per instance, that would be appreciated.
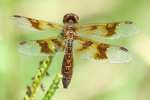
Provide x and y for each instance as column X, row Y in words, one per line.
column 67, row 66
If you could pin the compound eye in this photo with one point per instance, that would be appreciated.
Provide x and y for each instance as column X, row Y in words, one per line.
column 77, row 18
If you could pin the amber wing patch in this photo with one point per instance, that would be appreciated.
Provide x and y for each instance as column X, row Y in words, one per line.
column 107, row 31
column 111, row 27
column 85, row 45
column 36, row 24
column 44, row 47
column 41, row 47
column 101, row 51
column 87, row 49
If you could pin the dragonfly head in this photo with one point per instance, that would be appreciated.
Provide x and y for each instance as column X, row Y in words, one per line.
column 70, row 18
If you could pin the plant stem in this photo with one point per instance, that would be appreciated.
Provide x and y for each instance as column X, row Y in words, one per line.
column 31, row 90
column 53, row 87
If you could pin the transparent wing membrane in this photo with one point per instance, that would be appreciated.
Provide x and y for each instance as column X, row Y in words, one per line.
column 41, row 47
column 101, row 52
column 31, row 25
column 107, row 31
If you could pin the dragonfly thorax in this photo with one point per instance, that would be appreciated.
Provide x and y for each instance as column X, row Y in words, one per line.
column 69, row 31
column 69, row 34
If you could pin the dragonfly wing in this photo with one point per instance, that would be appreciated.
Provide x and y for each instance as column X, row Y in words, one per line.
column 101, row 52
column 41, row 47
column 31, row 25
column 107, row 31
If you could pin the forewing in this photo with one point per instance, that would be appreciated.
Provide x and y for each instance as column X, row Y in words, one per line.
column 45, row 47
column 31, row 25
column 101, row 52
column 107, row 31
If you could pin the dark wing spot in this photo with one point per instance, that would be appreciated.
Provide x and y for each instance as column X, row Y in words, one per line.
column 44, row 46
column 93, row 27
column 124, row 49
column 23, row 42
column 128, row 22
column 58, row 44
column 101, row 51
column 35, row 23
column 111, row 27
column 16, row 16
column 85, row 45
column 50, row 24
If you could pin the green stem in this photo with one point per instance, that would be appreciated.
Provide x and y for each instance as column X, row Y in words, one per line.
column 31, row 90
column 53, row 87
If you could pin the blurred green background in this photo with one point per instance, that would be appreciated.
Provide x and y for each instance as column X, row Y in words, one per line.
column 91, row 80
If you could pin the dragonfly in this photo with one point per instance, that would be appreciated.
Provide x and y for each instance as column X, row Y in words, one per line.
column 76, row 39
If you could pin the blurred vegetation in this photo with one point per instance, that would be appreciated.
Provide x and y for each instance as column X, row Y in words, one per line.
column 91, row 81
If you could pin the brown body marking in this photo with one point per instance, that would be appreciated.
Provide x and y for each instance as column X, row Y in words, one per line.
column 67, row 66
column 67, row 69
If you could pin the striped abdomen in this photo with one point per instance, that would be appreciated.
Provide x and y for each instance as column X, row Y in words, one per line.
column 67, row 66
